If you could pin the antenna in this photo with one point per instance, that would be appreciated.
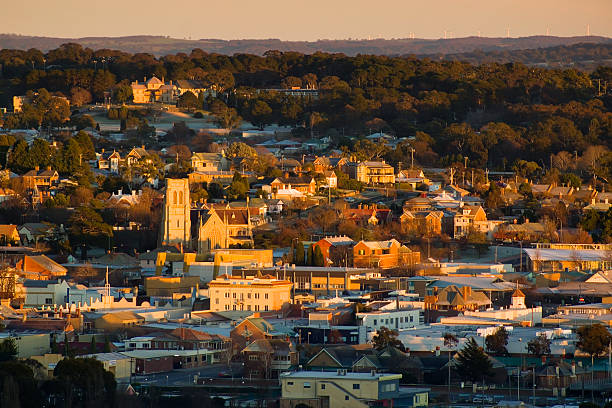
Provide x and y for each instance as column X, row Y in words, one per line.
column 547, row 31
column 445, row 34
column 478, row 33
column 508, row 32
column 588, row 30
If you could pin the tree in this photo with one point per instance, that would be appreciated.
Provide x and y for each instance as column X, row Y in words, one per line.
column 240, row 149
column 299, row 254
column 319, row 259
column 260, row 113
column 79, row 96
column 539, row 346
column 103, row 81
column 93, row 347
column 593, row 339
column 310, row 259
column 228, row 118
column 85, row 382
column 8, row 350
column 385, row 337
column 473, row 363
column 188, row 101
column 122, row 93
column 87, row 227
column 497, row 342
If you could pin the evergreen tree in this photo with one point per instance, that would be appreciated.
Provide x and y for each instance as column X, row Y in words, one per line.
column 299, row 254
column 8, row 350
column 18, row 159
column 310, row 259
column 319, row 259
column 107, row 344
column 92, row 346
column 473, row 363
column 497, row 342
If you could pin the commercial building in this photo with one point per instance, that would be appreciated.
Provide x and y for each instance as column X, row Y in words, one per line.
column 261, row 293
column 339, row 390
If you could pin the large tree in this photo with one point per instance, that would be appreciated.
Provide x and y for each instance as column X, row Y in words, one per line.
column 473, row 363
column 497, row 342
column 385, row 337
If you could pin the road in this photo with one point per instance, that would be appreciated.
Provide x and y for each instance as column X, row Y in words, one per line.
column 185, row 376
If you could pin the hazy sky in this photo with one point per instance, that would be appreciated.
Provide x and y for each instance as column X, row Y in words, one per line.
column 305, row 20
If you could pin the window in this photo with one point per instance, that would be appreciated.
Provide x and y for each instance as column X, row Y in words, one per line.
column 265, row 296
column 289, row 382
column 375, row 323
column 48, row 301
column 346, row 397
column 356, row 386
column 362, row 252
column 306, row 385
column 266, row 308
column 216, row 301
column 253, row 357
column 248, row 295
column 322, row 386
column 234, row 295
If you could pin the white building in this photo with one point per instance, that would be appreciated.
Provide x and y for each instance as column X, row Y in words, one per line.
column 400, row 319
column 39, row 292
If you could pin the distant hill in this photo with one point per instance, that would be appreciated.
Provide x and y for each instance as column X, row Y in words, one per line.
column 163, row 45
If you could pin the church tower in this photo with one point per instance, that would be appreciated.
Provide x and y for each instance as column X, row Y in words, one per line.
column 176, row 217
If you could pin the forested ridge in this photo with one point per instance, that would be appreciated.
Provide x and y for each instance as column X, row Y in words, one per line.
column 494, row 114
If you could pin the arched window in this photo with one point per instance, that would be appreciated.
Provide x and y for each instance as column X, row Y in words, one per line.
column 180, row 197
column 174, row 198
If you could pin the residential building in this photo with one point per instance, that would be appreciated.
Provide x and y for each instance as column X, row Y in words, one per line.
column 383, row 254
column 464, row 220
column 209, row 162
column 44, row 292
column 255, row 328
column 367, row 215
column 9, row 235
column 42, row 178
column 261, row 293
column 109, row 161
column 318, row 333
column 428, row 223
column 39, row 267
column 457, row 299
column 336, row 250
column 371, row 172
column 331, row 180
column 117, row 363
column 305, row 185
column 267, row 358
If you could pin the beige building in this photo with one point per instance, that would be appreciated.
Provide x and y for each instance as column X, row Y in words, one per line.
column 341, row 389
column 261, row 293
column 154, row 90
column 176, row 217
column 29, row 344
column 118, row 364
column 371, row 172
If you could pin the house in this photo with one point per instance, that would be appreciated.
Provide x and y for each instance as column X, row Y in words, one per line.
column 118, row 364
column 32, row 232
column 135, row 155
column 275, row 206
column 209, row 162
column 331, row 180
column 336, row 250
column 364, row 358
column 370, row 172
column 193, row 86
column 305, row 185
column 459, row 223
column 367, row 215
column 264, row 293
column 457, row 299
column 42, row 178
column 39, row 267
column 428, row 223
column 412, row 177
column 323, row 163
column 420, row 203
column 254, row 328
column 267, row 358
column 339, row 389
column 9, row 234
column 383, row 254
column 154, row 90
column 560, row 375
column 109, row 161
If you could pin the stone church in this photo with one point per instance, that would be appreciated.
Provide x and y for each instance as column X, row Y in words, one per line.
column 218, row 226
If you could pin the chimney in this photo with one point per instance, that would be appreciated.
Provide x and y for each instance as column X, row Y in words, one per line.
column 37, row 168
column 49, row 168
column 102, row 150
column 573, row 368
column 437, row 351
column 467, row 291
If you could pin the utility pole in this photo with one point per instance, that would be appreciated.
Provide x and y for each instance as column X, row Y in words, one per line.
column 452, row 175
column 411, row 158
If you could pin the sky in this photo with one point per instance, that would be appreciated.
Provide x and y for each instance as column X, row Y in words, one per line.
column 306, row 19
